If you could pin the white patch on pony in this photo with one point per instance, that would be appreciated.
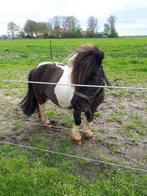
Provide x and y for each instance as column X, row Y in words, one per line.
column 70, row 58
column 63, row 93
column 43, row 63
column 49, row 62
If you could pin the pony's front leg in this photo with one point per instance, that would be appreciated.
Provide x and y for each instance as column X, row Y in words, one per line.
column 75, row 133
column 41, row 114
column 87, row 127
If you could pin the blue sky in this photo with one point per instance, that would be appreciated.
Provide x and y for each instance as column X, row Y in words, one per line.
column 131, row 14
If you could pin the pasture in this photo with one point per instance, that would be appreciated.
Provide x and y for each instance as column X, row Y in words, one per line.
column 119, row 125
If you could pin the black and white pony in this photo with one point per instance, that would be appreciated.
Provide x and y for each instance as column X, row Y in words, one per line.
column 84, row 67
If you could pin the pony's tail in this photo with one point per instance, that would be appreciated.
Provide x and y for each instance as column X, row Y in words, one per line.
column 29, row 102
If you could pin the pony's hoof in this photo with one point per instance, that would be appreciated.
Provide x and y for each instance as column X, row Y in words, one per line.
column 88, row 134
column 78, row 142
column 38, row 116
column 46, row 122
column 90, row 140
column 76, row 137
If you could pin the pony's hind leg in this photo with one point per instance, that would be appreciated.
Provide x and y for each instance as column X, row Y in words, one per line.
column 41, row 114
column 38, row 113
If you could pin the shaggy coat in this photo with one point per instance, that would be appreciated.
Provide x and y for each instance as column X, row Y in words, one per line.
column 84, row 67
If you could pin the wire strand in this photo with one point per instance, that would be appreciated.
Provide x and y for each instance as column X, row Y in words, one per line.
column 75, row 156
column 66, row 128
column 78, row 85
column 69, row 155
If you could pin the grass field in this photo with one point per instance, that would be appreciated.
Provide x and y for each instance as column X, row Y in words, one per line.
column 123, row 115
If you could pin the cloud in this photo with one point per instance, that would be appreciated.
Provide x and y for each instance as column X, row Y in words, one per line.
column 41, row 10
column 135, row 28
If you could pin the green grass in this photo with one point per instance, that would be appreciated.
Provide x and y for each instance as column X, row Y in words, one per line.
column 123, row 56
column 21, row 175
column 24, row 172
column 115, row 116
column 135, row 129
column 97, row 114
column 65, row 119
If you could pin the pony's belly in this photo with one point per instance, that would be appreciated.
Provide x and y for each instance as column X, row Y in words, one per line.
column 64, row 95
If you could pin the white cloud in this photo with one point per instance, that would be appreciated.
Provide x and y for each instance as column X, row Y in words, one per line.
column 41, row 10
column 135, row 28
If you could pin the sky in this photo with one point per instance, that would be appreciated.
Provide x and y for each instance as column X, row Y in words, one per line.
column 131, row 14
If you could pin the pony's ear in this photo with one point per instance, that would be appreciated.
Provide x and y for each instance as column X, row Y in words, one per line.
column 100, row 56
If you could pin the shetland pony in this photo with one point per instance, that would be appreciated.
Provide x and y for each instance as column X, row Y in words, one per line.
column 84, row 67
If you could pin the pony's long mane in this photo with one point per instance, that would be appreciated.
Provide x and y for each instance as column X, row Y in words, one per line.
column 85, row 61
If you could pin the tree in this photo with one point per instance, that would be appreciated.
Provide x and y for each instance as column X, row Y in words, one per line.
column 12, row 29
column 31, row 28
column 21, row 34
column 106, row 29
column 42, row 27
column 73, row 26
column 64, row 26
column 111, row 21
column 56, row 24
column 49, row 26
column 92, row 26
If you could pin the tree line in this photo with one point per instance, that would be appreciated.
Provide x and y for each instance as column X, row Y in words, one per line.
column 62, row 27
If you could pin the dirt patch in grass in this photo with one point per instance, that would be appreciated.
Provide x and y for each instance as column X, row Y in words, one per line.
column 120, row 131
